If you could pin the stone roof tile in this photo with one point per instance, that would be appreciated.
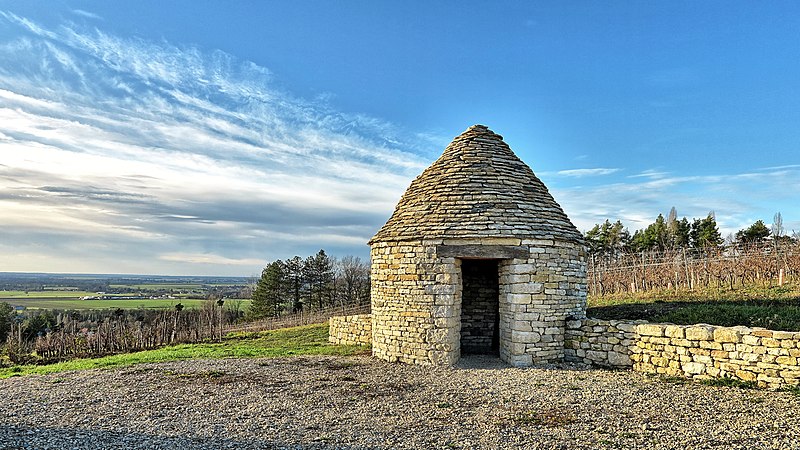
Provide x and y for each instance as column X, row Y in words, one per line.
column 477, row 188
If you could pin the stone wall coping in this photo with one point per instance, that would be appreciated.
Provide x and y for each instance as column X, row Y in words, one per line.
column 659, row 329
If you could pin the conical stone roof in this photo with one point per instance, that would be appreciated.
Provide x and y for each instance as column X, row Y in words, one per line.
column 478, row 188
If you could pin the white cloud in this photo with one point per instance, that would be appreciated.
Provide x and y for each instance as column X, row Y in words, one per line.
column 580, row 173
column 651, row 174
column 206, row 258
column 87, row 14
column 160, row 158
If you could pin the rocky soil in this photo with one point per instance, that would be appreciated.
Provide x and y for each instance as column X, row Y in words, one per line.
column 358, row 402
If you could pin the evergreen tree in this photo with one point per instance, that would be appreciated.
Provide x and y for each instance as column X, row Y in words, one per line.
column 318, row 271
column 677, row 231
column 655, row 237
column 608, row 238
column 704, row 232
column 6, row 318
column 755, row 233
column 681, row 234
column 267, row 296
column 295, row 282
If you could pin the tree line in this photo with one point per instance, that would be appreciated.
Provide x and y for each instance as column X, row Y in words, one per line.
column 611, row 239
column 299, row 285
column 673, row 254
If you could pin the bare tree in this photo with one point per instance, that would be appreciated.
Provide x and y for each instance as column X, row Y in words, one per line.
column 354, row 280
column 777, row 226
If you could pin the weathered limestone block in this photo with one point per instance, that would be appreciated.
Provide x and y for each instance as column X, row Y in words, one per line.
column 674, row 331
column 727, row 335
column 651, row 329
column 700, row 333
column 619, row 359
column 693, row 368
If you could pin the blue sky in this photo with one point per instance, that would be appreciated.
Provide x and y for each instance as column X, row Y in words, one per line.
column 199, row 137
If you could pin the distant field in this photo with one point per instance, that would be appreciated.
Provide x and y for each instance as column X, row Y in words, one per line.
column 155, row 287
column 73, row 303
column 43, row 294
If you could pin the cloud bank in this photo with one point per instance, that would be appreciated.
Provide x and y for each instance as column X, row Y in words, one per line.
column 122, row 155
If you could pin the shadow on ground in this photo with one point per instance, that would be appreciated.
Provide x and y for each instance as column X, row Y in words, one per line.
column 783, row 314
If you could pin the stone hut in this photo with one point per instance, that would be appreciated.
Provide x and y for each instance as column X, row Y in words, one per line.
column 477, row 258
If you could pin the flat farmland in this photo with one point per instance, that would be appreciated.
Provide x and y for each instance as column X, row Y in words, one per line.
column 86, row 291
column 77, row 303
column 49, row 294
column 153, row 287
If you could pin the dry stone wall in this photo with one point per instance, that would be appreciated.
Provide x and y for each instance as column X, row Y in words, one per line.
column 537, row 295
column 605, row 343
column 417, row 299
column 414, row 309
column 768, row 358
column 350, row 330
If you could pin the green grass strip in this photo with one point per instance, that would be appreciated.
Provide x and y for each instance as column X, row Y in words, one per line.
column 305, row 340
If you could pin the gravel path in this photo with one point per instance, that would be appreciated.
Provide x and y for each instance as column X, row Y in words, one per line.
column 358, row 402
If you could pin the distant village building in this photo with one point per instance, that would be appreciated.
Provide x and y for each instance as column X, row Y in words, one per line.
column 477, row 258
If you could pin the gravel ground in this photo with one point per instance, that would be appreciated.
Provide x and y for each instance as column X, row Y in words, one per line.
column 358, row 402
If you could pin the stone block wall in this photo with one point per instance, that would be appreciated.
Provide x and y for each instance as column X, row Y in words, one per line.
column 605, row 343
column 350, row 330
column 417, row 297
column 415, row 314
column 537, row 295
column 770, row 358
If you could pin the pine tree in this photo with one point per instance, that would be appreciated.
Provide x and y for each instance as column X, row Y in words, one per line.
column 655, row 237
column 294, row 282
column 608, row 238
column 267, row 296
column 755, row 233
column 318, row 270
column 682, row 230
column 6, row 318
column 704, row 232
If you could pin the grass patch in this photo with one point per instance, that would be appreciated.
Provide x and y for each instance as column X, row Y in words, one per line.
column 305, row 340
column 772, row 315
column 730, row 382
column 775, row 308
column 785, row 292
column 794, row 390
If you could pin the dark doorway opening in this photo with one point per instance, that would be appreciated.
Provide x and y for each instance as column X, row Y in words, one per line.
column 480, row 307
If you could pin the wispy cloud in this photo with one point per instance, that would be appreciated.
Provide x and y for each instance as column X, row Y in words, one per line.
column 159, row 158
column 651, row 174
column 580, row 173
column 737, row 199
column 87, row 14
